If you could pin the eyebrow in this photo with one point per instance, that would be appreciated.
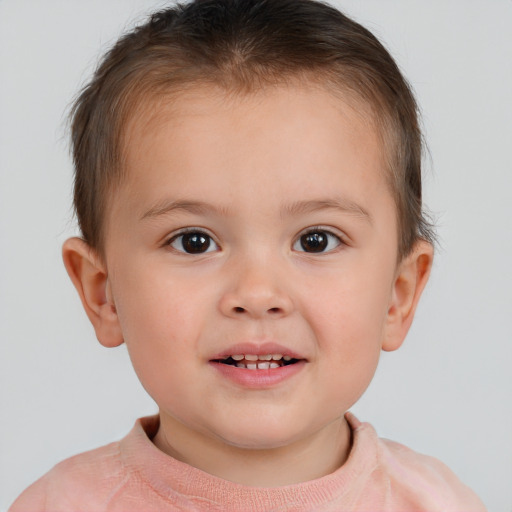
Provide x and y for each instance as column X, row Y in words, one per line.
column 195, row 207
column 297, row 208
column 341, row 204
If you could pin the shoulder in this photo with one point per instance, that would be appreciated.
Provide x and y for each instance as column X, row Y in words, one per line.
column 424, row 481
column 91, row 474
column 400, row 479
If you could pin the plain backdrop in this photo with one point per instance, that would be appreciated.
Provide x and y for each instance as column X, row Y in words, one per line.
column 446, row 392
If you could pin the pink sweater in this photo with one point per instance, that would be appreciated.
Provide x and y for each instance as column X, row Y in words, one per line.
column 133, row 475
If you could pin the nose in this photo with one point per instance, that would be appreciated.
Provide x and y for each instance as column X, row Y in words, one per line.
column 256, row 290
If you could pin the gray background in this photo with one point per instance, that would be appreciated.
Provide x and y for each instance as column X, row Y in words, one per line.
column 446, row 392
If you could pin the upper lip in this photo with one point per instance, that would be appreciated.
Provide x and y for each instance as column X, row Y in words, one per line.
column 257, row 349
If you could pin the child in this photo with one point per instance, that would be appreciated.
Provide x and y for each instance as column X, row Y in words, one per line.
column 248, row 188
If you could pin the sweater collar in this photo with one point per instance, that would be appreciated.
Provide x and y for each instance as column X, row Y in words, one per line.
column 193, row 488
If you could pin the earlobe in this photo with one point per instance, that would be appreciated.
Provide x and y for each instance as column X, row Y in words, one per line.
column 410, row 280
column 90, row 278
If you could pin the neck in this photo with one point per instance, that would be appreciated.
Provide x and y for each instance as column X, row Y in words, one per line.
column 306, row 459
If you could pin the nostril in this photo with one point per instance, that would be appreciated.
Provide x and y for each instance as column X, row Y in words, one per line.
column 238, row 309
column 274, row 310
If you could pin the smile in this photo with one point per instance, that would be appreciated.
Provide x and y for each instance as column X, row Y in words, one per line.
column 258, row 362
column 262, row 365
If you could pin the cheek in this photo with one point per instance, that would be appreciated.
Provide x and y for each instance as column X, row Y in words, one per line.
column 349, row 347
column 350, row 308
column 151, row 297
column 161, row 334
column 161, row 320
column 348, row 315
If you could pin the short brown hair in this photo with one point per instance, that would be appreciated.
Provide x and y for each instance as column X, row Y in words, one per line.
column 243, row 45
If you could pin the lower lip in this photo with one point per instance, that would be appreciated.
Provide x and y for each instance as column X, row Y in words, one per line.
column 258, row 379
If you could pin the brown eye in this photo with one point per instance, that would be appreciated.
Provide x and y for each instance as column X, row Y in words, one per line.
column 194, row 242
column 313, row 242
column 317, row 241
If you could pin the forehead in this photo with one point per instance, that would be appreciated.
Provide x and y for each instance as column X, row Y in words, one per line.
column 216, row 119
column 287, row 143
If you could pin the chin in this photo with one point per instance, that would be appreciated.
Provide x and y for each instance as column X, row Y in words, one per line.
column 262, row 436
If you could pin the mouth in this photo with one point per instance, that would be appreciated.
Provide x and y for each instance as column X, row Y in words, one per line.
column 257, row 362
column 258, row 366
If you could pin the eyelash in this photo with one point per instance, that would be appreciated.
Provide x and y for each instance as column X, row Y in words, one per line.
column 322, row 243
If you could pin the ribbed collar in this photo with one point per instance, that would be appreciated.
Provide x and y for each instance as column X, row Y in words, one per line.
column 191, row 488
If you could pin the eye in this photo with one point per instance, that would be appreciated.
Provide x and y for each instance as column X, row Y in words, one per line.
column 317, row 240
column 193, row 242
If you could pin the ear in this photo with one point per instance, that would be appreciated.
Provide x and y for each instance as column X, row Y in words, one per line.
column 89, row 275
column 410, row 280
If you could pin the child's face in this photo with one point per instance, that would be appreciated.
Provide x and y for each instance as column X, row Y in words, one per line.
column 239, row 183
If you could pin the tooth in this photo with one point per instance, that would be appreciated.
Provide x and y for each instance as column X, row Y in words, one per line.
column 251, row 357
column 240, row 365
column 263, row 366
column 287, row 358
column 276, row 357
column 252, row 366
column 237, row 357
column 266, row 357
column 274, row 365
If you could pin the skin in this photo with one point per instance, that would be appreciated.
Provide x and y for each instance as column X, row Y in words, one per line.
column 267, row 167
